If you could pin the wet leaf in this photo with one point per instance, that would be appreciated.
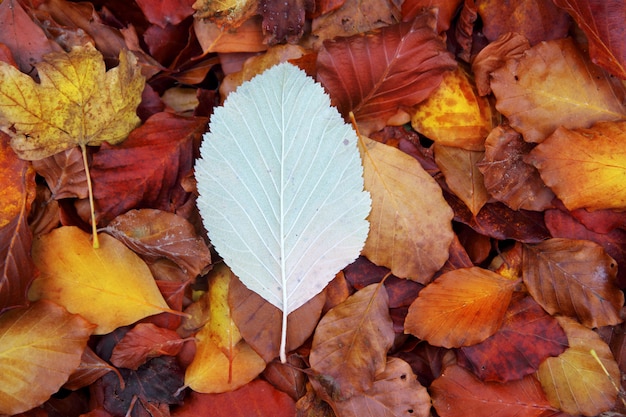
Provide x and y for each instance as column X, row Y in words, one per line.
column 541, row 91
column 458, row 393
column 460, row 308
column 351, row 342
column 40, row 346
column 110, row 286
column 528, row 335
column 575, row 278
column 408, row 235
column 371, row 75
column 585, row 167
column 574, row 381
column 76, row 103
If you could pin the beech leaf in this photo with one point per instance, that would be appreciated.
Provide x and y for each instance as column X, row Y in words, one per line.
column 281, row 188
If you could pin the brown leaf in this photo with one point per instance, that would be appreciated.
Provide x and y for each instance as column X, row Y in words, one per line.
column 168, row 12
column 459, row 393
column 256, row 399
column 16, row 195
column 585, row 167
column 246, row 38
column 574, row 381
column 142, row 342
column 64, row 173
column 155, row 234
column 372, row 76
column 575, row 278
column 460, row 308
column 602, row 23
column 446, row 10
column 507, row 177
column 536, row 20
column 260, row 322
column 395, row 392
column 91, row 368
column 541, row 91
column 283, row 20
column 40, row 346
column 351, row 342
column 508, row 46
column 528, row 336
column 459, row 167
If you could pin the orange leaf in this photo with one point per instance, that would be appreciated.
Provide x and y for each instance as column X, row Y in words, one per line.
column 585, row 167
column 110, row 286
column 542, row 91
column 408, row 235
column 40, row 346
column 460, row 308
column 574, row 381
column 575, row 278
column 459, row 393
column 351, row 342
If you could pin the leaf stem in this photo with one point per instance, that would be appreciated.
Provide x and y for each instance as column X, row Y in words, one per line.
column 94, row 230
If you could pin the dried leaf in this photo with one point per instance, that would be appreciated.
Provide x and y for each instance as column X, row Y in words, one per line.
column 76, row 103
column 574, row 381
column 110, row 286
column 91, row 368
column 395, row 392
column 246, row 38
column 351, row 342
column 145, row 341
column 541, row 91
column 228, row 13
column 528, row 336
column 223, row 361
column 64, row 173
column 602, row 23
column 168, row 12
column 585, row 167
column 155, row 234
column 460, row 308
column 459, row 167
column 454, row 114
column 446, row 10
column 575, row 278
column 459, row 393
column 408, row 235
column 283, row 20
column 372, row 76
column 281, row 196
column 40, row 346
column 16, row 194
column 507, row 177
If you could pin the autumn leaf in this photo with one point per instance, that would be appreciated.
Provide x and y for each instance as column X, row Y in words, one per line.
column 408, row 235
column 541, row 91
column 91, row 368
column 575, row 278
column 225, row 12
column 372, row 76
column 40, row 346
column 351, row 342
column 110, row 286
column 460, row 308
column 574, row 381
column 585, row 168
column 458, row 393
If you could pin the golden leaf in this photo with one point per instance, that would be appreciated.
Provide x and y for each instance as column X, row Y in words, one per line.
column 410, row 222
column 77, row 102
column 110, row 286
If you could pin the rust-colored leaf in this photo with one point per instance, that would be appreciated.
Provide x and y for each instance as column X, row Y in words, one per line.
column 143, row 342
column 507, row 177
column 91, row 368
column 541, row 91
column 168, row 12
column 460, row 308
column 351, row 342
column 446, row 9
column 283, row 20
column 372, row 76
column 575, row 278
column 602, row 21
column 585, row 167
column 64, row 173
column 528, row 335
column 574, row 381
column 459, row 393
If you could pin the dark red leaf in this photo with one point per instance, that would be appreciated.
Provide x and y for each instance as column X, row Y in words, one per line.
column 166, row 12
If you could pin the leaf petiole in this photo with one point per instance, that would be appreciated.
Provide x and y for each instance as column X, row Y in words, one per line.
column 94, row 230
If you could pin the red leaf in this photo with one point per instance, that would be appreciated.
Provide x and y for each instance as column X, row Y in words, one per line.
column 603, row 23
column 528, row 335
column 256, row 399
column 166, row 12
column 376, row 73
column 145, row 341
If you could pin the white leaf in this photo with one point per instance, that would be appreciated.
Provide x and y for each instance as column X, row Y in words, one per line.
column 281, row 187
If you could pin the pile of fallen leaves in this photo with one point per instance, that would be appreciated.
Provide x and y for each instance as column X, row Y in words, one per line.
column 492, row 141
